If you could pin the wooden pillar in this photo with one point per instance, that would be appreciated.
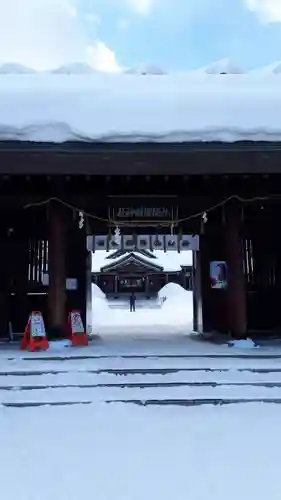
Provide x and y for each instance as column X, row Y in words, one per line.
column 208, row 323
column 197, row 293
column 89, row 310
column 236, row 289
column 147, row 284
column 116, row 280
column 57, row 271
column 214, row 311
column 9, row 259
column 4, row 285
column 79, row 263
column 19, row 302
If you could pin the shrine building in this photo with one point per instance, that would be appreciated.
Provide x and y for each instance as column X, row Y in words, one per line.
column 120, row 273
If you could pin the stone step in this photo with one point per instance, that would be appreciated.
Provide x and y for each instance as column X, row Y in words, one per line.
column 51, row 403
column 137, row 385
column 194, row 402
column 167, row 371
column 47, row 358
column 136, row 371
column 149, row 402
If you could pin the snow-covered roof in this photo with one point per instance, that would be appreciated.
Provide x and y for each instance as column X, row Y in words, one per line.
column 133, row 108
column 169, row 261
column 135, row 260
column 274, row 69
column 75, row 68
column 222, row 67
column 15, row 69
column 146, row 69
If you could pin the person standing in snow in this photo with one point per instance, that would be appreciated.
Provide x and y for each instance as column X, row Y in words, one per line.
column 132, row 302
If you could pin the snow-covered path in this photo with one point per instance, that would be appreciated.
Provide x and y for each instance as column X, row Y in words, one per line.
column 163, row 447
column 155, row 317
column 168, row 369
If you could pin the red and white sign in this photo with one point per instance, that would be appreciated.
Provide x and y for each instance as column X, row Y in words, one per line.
column 37, row 327
column 77, row 331
column 34, row 338
column 76, row 322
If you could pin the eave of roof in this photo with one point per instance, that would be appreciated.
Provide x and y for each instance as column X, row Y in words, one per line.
column 134, row 259
column 120, row 253
column 81, row 147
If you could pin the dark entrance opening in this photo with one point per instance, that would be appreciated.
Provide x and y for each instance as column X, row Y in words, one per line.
column 197, row 178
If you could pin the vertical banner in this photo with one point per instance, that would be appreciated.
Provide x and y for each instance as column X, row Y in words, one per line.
column 218, row 275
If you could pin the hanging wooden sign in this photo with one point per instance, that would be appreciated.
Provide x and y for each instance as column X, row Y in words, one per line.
column 166, row 242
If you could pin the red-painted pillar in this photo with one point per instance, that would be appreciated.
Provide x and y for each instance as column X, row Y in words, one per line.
column 236, row 291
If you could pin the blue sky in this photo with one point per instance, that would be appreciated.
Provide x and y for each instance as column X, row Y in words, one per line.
column 176, row 34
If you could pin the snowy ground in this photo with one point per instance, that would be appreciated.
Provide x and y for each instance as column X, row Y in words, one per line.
column 174, row 315
column 147, row 410
column 175, row 443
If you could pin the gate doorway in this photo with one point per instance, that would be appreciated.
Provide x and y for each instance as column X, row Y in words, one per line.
column 154, row 275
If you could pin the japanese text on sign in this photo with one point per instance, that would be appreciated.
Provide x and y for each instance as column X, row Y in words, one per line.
column 37, row 326
column 76, row 323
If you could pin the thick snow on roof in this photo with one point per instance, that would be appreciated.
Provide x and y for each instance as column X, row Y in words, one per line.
column 223, row 66
column 75, row 68
column 166, row 108
column 146, row 69
column 15, row 69
column 170, row 261
column 274, row 69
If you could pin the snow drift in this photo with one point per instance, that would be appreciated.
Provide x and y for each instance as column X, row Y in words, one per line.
column 177, row 303
column 97, row 293
column 243, row 344
column 99, row 301
column 172, row 291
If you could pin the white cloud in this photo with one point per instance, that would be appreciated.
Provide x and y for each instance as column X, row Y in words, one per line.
column 268, row 11
column 44, row 34
column 102, row 58
column 143, row 7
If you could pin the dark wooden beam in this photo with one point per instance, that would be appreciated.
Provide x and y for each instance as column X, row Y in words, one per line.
column 140, row 160
column 137, row 147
